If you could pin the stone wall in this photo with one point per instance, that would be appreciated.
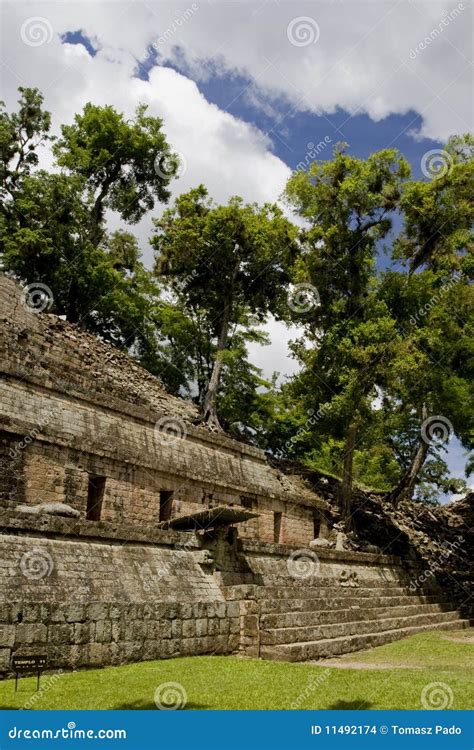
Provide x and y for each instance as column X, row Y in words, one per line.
column 90, row 600
column 73, row 409
column 92, row 594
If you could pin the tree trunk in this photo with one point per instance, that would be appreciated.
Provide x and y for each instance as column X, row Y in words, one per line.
column 96, row 230
column 347, row 476
column 406, row 484
column 209, row 407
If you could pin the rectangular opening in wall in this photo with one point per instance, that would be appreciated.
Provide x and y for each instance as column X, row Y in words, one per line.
column 247, row 502
column 276, row 526
column 166, row 505
column 95, row 497
column 316, row 525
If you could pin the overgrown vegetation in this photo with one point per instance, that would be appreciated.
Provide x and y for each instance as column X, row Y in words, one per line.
column 386, row 360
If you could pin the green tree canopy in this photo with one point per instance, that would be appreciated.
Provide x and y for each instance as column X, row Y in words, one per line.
column 224, row 262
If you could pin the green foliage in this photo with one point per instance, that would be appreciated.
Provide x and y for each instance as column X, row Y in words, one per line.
column 439, row 214
column 21, row 133
column 237, row 254
column 227, row 267
column 119, row 160
column 350, row 337
column 52, row 223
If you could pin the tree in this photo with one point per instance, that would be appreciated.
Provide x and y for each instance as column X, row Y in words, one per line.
column 224, row 262
column 433, row 307
column 21, row 134
column 424, row 375
column 350, row 336
column 53, row 228
column 127, row 165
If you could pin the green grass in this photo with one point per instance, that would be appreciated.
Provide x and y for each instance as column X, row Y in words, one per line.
column 219, row 682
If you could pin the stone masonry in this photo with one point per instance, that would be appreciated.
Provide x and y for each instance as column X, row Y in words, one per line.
column 86, row 433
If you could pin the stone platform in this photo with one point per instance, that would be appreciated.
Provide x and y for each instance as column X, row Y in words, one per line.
column 94, row 594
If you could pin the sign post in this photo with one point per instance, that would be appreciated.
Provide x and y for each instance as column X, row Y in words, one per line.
column 23, row 664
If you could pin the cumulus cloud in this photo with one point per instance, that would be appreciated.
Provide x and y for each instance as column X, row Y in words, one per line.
column 231, row 156
column 377, row 58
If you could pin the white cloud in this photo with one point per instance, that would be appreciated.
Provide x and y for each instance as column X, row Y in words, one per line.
column 229, row 155
column 374, row 57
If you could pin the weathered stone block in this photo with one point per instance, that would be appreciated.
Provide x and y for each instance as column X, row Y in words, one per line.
column 5, row 654
column 97, row 611
column 57, row 614
column 103, row 631
column 224, row 627
column 31, row 613
column 249, row 625
column 76, row 613
column 235, row 625
column 31, row 633
column 7, row 635
column 189, row 628
column 83, row 632
column 61, row 633
column 233, row 609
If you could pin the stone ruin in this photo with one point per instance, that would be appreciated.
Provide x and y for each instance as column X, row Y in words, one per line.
column 130, row 532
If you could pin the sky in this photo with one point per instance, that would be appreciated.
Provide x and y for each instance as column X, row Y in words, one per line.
column 249, row 90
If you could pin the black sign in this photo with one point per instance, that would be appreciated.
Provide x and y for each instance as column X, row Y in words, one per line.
column 28, row 663
column 34, row 663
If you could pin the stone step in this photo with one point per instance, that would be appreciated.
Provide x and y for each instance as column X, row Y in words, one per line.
column 327, row 616
column 311, row 591
column 318, row 580
column 335, row 646
column 278, row 582
column 336, row 602
column 338, row 629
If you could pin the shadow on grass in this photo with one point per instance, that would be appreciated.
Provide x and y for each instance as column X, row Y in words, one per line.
column 136, row 705
column 151, row 706
column 356, row 705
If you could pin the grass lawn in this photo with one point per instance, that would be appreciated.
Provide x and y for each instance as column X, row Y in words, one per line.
column 389, row 677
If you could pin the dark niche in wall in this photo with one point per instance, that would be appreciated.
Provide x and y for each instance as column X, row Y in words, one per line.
column 95, row 497
column 166, row 505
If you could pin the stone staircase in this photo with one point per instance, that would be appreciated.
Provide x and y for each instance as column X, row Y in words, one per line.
column 298, row 622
